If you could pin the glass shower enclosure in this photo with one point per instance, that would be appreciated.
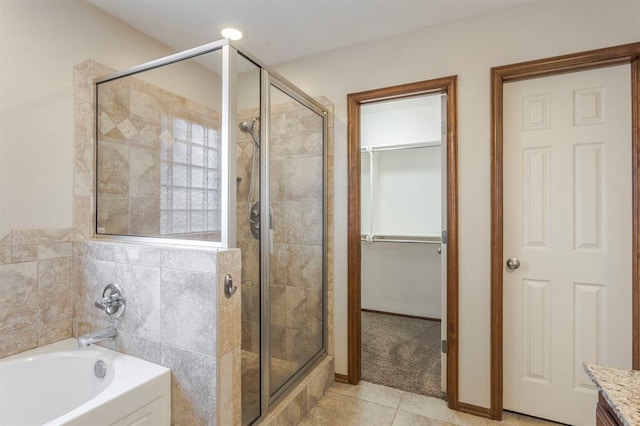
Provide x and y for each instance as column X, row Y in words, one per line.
column 211, row 147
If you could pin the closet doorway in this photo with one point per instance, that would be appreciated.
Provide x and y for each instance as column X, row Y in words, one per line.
column 403, row 238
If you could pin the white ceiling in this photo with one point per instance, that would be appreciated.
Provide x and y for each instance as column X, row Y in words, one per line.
column 281, row 30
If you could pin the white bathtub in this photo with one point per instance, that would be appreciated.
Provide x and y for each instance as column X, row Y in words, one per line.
column 56, row 385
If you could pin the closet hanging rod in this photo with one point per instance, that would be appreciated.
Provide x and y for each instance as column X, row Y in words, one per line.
column 400, row 146
column 400, row 239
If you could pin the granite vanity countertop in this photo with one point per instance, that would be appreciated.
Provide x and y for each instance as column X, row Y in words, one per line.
column 621, row 389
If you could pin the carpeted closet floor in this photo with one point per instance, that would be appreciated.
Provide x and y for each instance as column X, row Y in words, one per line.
column 402, row 353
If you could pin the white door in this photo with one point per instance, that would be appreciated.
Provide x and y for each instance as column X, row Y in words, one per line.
column 568, row 220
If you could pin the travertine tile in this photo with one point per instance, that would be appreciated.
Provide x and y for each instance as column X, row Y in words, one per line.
column 250, row 260
column 437, row 409
column 113, row 170
column 278, row 341
column 113, row 215
column 335, row 409
column 193, row 386
column 82, row 81
column 303, row 178
column 304, row 309
column 5, row 255
column 301, row 346
column 320, row 381
column 44, row 236
column 304, row 266
column 227, row 406
column 18, row 296
column 148, row 136
column 188, row 316
column 24, row 253
column 404, row 418
column 83, row 183
column 144, row 173
column 144, row 216
column 515, row 419
column 82, row 217
column 250, row 301
column 237, row 388
column 145, row 105
column 250, row 336
column 243, row 230
column 279, row 263
column 91, row 276
column 141, row 286
column 6, row 239
column 330, row 323
column 229, row 319
column 55, row 284
column 137, row 254
column 190, row 260
column 115, row 94
column 54, row 331
column 294, row 410
column 277, row 304
column 278, row 168
column 139, row 347
column 16, row 341
column 94, row 250
column 84, row 130
column 371, row 392
column 304, row 222
column 55, row 250
column 280, row 221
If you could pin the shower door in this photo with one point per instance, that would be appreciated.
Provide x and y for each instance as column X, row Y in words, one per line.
column 292, row 236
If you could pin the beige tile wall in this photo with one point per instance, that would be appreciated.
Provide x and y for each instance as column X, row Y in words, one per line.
column 176, row 316
column 302, row 397
column 296, row 263
column 136, row 128
column 36, row 306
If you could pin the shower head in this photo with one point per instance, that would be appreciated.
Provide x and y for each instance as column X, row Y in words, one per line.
column 247, row 127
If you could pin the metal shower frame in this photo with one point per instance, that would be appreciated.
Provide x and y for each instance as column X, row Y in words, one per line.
column 268, row 79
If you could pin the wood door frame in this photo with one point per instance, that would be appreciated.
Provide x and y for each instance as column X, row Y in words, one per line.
column 447, row 85
column 600, row 58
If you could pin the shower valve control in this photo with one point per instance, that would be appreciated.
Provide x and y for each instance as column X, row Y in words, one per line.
column 112, row 301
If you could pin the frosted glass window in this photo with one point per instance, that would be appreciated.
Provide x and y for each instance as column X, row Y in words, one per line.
column 194, row 169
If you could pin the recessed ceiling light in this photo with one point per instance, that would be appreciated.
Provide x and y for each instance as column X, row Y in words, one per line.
column 231, row 33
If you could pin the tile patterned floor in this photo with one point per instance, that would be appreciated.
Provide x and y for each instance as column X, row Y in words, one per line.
column 370, row 404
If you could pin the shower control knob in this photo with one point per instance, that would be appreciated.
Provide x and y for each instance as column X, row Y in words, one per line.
column 112, row 301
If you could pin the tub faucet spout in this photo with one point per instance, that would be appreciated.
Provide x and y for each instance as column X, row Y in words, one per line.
column 98, row 336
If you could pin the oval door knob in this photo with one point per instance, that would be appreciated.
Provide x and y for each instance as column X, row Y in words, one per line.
column 513, row 263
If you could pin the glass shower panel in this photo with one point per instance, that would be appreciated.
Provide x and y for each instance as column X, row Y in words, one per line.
column 159, row 151
column 296, row 190
column 248, row 231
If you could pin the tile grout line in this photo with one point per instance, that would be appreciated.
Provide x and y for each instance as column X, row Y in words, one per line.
column 364, row 400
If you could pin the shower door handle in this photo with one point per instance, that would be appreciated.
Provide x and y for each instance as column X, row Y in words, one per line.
column 271, row 250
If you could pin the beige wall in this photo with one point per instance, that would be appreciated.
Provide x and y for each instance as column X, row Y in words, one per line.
column 468, row 48
column 40, row 42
